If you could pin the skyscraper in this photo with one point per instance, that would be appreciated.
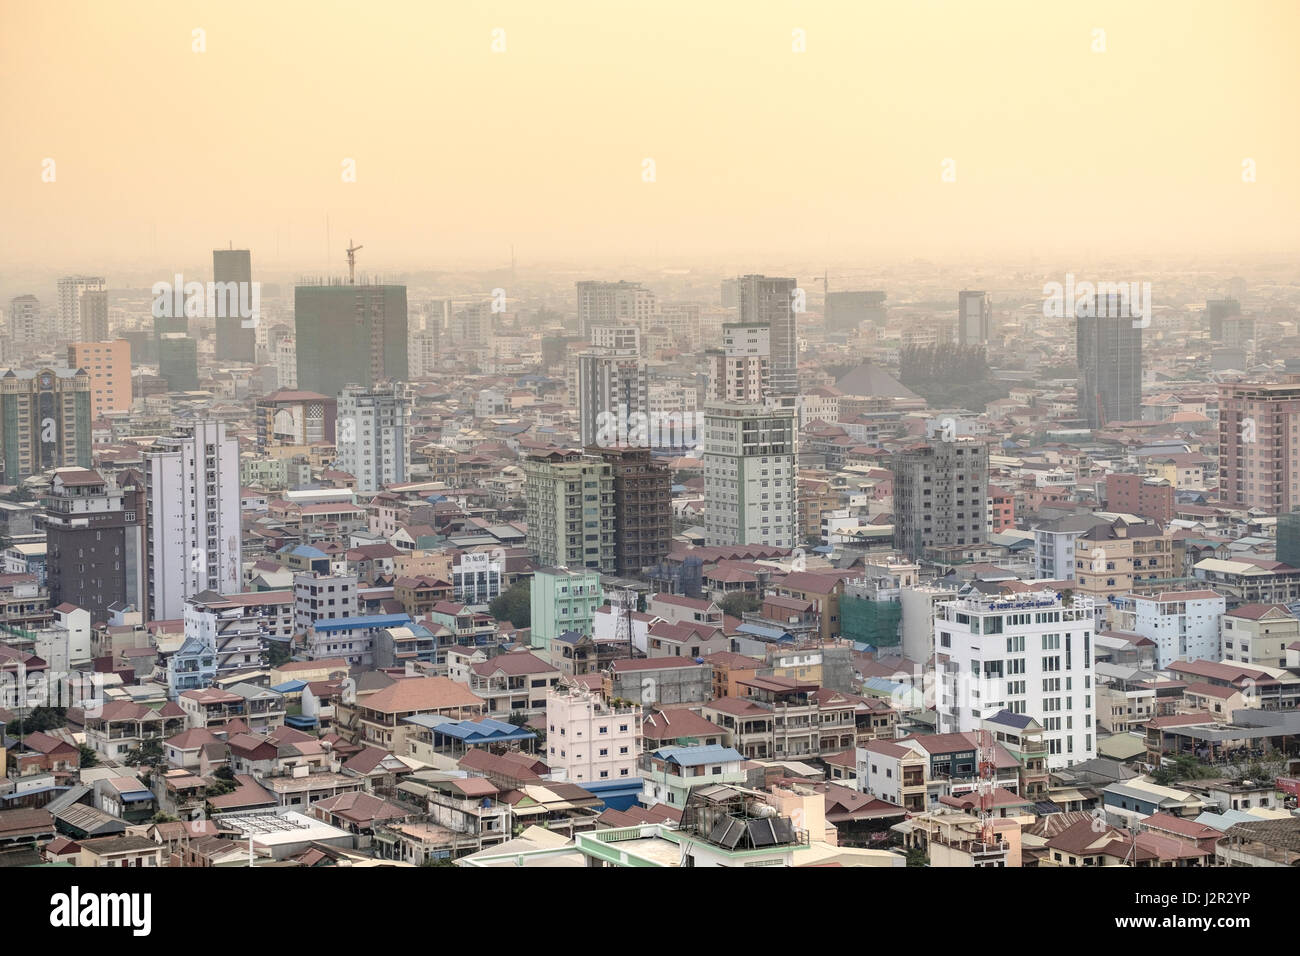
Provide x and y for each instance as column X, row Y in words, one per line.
column 771, row 302
column 178, row 361
column 749, row 475
column 374, row 442
column 109, row 366
column 941, row 495
column 193, row 536
column 741, row 370
column 94, row 315
column 71, row 322
column 1258, row 465
column 44, row 421
column 25, row 326
column 234, row 341
column 1108, row 348
column 974, row 318
column 349, row 335
column 612, row 381
column 845, row 311
column 611, row 303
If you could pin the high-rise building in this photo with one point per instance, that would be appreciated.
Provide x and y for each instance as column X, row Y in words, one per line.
column 741, row 370
column 941, row 495
column 193, row 537
column 286, row 362
column 612, row 382
column 1108, row 347
column 349, row 335
column 74, row 312
column 974, row 318
column 612, row 303
column 44, row 421
column 109, row 366
column 1216, row 312
column 846, row 311
column 178, row 361
column 750, row 464
column 771, row 302
column 569, row 500
column 92, row 532
column 25, row 326
column 94, row 315
column 1259, row 457
column 643, row 515
column 234, row 341
column 471, row 326
column 290, row 417
column 1029, row 654
column 374, row 441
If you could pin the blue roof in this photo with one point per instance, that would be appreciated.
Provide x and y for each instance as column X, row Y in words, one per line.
column 773, row 633
column 696, row 756
column 303, row 551
column 486, row 730
column 364, row 621
column 289, row 687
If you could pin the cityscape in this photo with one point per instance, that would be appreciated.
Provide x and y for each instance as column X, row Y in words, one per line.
column 579, row 486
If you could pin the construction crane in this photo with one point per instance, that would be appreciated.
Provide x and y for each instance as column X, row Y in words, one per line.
column 988, row 775
column 352, row 262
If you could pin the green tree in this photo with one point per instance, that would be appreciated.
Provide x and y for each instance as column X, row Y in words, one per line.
column 148, row 754
column 737, row 604
column 514, row 605
column 37, row 720
column 916, row 857
column 277, row 653
column 88, row 757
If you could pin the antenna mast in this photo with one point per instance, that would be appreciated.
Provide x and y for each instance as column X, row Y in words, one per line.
column 987, row 784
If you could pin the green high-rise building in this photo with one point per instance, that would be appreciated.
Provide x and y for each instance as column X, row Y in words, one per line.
column 349, row 335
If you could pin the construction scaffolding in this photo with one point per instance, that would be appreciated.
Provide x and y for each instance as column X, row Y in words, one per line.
column 865, row 621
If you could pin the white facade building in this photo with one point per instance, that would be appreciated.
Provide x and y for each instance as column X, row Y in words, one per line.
column 193, row 535
column 587, row 739
column 286, row 363
column 750, row 459
column 374, row 443
column 1029, row 654
column 1185, row 625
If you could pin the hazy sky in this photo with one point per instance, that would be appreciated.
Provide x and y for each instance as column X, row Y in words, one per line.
column 162, row 153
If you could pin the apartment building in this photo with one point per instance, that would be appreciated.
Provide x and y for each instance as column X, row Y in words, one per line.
column 571, row 513
column 1030, row 654
column 750, row 456
column 1258, row 634
column 562, row 600
column 588, row 739
column 940, row 495
column 642, row 508
column 1185, row 625
column 1111, row 560
column 109, row 366
column 1258, row 447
